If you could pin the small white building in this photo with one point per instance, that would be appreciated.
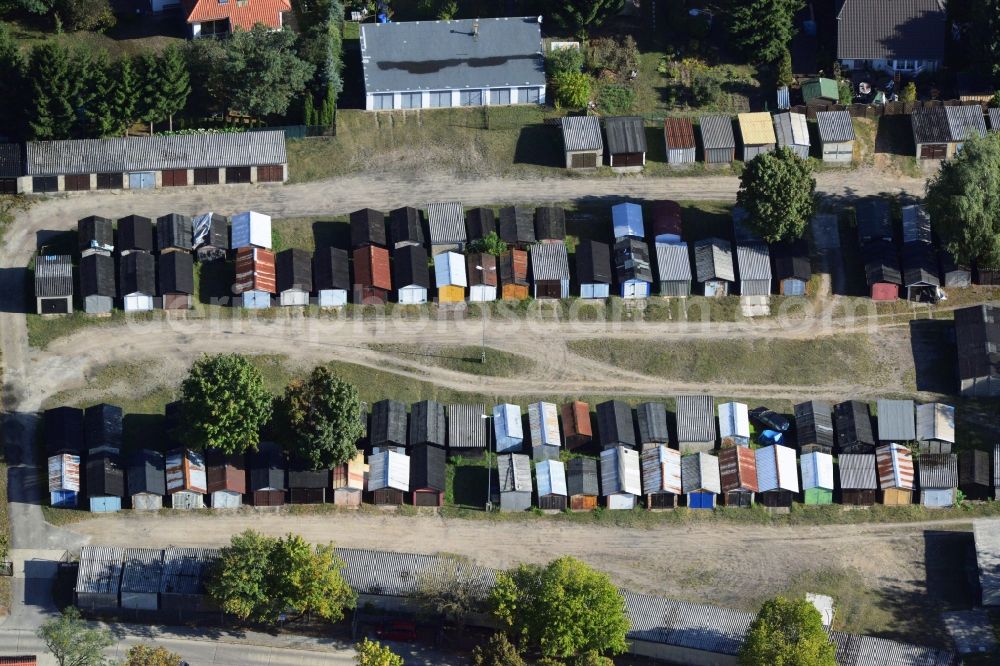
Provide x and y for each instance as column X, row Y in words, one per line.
column 250, row 229
column 137, row 282
column 507, row 428
column 621, row 479
column 734, row 424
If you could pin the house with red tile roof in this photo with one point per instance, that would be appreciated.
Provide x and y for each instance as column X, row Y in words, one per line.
column 208, row 18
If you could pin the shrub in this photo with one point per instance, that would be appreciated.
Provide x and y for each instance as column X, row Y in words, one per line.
column 705, row 90
column 784, row 75
column 572, row 89
column 564, row 60
column 620, row 58
column 616, row 99
column 909, row 92
column 844, row 92
column 499, row 651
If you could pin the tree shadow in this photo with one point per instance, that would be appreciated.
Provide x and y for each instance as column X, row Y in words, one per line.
column 215, row 282
column 894, row 136
column 331, row 234
column 539, row 145
column 470, row 485
column 933, row 345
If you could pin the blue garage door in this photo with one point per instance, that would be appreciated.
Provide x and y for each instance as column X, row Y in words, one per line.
column 65, row 498
column 471, row 98
column 701, row 500
column 142, row 180
column 105, row 504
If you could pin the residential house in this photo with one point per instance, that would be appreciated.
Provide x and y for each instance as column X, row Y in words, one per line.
column 54, row 284
column 626, row 143
column 700, row 480
column 734, row 424
column 95, row 235
column 406, row 227
column 550, row 224
column 367, row 228
column 543, row 424
column 174, row 232
column 935, row 428
column 652, row 420
column 551, row 479
column 507, row 428
column 661, row 477
column 621, row 481
column 974, row 474
column 977, row 336
column 137, row 282
column 593, row 269
column 920, row 277
column 428, row 424
column 626, row 219
column 517, row 226
column 904, row 37
column 717, row 139
column 388, row 425
column 777, row 476
column 217, row 18
column 859, row 481
column 349, row 481
column 814, row 426
column 820, row 91
column 853, row 421
column 225, row 479
column 632, row 268
column 102, row 428
column 490, row 62
column 695, row 423
column 614, row 424
column 480, row 223
column 952, row 273
column 581, row 484
column 64, row 480
column 446, row 227
column 411, row 275
column 266, row 479
column 513, row 269
column 577, row 430
column 186, row 479
column 713, row 261
column 250, row 229
column 210, row 236
column 753, row 261
column 467, row 431
column 673, row 263
column 63, row 427
column 105, row 483
column 550, row 270
column 895, row 420
column 147, row 480
column 738, row 475
column 665, row 222
column 482, row 272
column 427, row 475
column 176, row 280
column 256, row 280
column 305, row 484
column 757, row 133
column 514, row 472
column 792, row 132
column 388, row 476
column 916, row 224
column 582, row 143
column 678, row 133
column 331, row 277
column 450, row 277
column 836, row 136
column 144, row 162
column 817, row 477
column 882, row 271
column 372, row 277
column 938, row 479
column 791, row 269
column 894, row 463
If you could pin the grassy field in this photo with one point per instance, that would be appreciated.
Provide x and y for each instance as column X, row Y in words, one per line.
column 743, row 361
column 129, row 37
column 463, row 359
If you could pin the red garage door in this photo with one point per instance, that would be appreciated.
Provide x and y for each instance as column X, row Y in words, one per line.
column 175, row 177
column 271, row 173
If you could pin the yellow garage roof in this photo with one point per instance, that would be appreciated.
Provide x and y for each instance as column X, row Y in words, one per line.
column 756, row 128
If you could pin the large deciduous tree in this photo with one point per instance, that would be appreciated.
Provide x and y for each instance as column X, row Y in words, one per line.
column 264, row 72
column 787, row 632
column 763, row 29
column 72, row 642
column 579, row 16
column 563, row 609
column 225, row 404
column 963, row 200
column 241, row 578
column 319, row 419
column 776, row 190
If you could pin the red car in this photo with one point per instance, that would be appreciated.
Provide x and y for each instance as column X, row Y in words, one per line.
column 399, row 630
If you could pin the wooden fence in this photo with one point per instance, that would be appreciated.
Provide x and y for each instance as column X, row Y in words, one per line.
column 876, row 111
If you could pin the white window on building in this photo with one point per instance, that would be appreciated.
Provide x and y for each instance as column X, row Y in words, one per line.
column 410, row 100
column 500, row 96
column 471, row 98
column 528, row 95
column 382, row 102
column 440, row 98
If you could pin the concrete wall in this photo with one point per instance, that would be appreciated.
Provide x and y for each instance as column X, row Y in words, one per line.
column 517, row 96
column 25, row 184
column 840, row 153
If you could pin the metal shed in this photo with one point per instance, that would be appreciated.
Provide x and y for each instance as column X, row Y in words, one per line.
column 938, row 479
column 480, row 223
column 514, row 472
column 142, row 569
column 700, row 480
column 517, row 226
column 137, row 282
column 814, row 426
column 482, row 272
column 388, row 476
column 186, row 480
column 713, row 260
column 185, row 572
column 974, row 474
column 626, row 142
column 695, row 423
column 388, row 424
column 738, row 475
column 411, row 275
column 428, row 424
column 665, row 222
column 406, row 227
column 935, row 427
column 817, row 477
column 372, row 275
column 791, row 269
column 102, row 428
column 97, row 283
column 792, row 132
column 621, row 481
column 593, row 269
column 99, row 578
column 550, row 270
column 550, row 223
column 307, row 485
column 734, row 424
column 632, row 268
column 853, row 421
column 551, row 478
column 512, row 267
column 64, row 480
column 446, row 227
column 615, row 426
column 174, row 232
column 894, row 463
column 678, row 134
column 147, row 481
column 95, row 235
column 367, row 228
column 467, row 434
column 577, row 429
column 858, row 479
column 293, row 272
column 266, row 478
column 581, row 484
column 105, row 483
column 717, row 139
column 225, row 479
column 582, row 143
column 757, row 133
column 255, row 281
column 836, row 136
column 449, row 277
column 543, row 422
column 895, row 420
column 349, row 481
column 673, row 263
column 507, row 428
column 931, row 133
column 953, row 274
column 965, row 122
column 627, row 220
column 210, row 236
column 920, row 272
column 63, row 427
column 331, row 276
column 916, row 224
column 661, row 477
column 652, row 419
column 754, row 264
column 250, row 229
column 427, row 476
column 874, row 223
column 882, row 271
column 53, row 284
column 777, row 476
column 175, row 279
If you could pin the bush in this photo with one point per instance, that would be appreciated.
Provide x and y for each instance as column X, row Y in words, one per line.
column 705, row 90
column 87, row 14
column 844, row 92
column 909, row 92
column 995, row 102
column 572, row 89
column 620, row 58
column 615, row 99
column 785, row 76
column 499, row 651
column 564, row 60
